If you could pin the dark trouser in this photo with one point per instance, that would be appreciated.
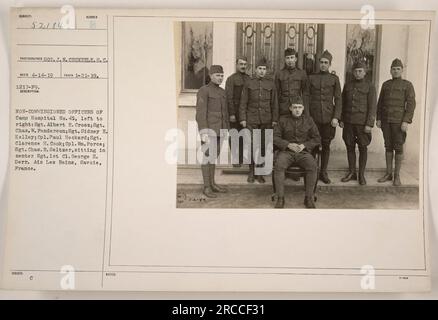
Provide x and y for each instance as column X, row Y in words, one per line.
column 327, row 133
column 258, row 150
column 303, row 159
column 394, row 140
column 394, row 137
column 236, row 152
column 354, row 134
column 208, row 168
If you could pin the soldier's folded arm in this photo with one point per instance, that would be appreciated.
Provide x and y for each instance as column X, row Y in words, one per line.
column 314, row 137
column 230, row 96
column 410, row 104
column 372, row 106
column 201, row 108
column 338, row 100
column 279, row 142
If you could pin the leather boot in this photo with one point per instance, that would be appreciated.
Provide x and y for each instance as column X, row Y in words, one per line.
column 351, row 175
column 280, row 203
column 309, row 203
column 215, row 187
column 362, row 180
column 251, row 178
column 363, row 156
column 260, row 179
column 388, row 175
column 323, row 176
column 398, row 161
column 205, row 168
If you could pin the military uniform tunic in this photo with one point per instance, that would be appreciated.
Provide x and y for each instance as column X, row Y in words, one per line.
column 325, row 104
column 233, row 89
column 396, row 101
column 358, row 111
column 396, row 104
column 258, row 104
column 325, row 97
column 211, row 108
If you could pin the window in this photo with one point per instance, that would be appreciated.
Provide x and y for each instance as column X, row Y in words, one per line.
column 197, row 54
column 362, row 44
column 269, row 40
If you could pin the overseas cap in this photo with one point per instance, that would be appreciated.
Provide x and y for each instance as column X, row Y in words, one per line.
column 327, row 55
column 215, row 68
column 396, row 63
column 290, row 52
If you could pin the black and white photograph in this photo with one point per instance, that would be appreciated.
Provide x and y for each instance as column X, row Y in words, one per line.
column 219, row 151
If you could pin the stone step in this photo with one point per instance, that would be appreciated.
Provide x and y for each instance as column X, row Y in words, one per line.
column 338, row 162
column 259, row 197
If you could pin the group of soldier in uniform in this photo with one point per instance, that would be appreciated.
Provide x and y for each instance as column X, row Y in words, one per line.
column 304, row 111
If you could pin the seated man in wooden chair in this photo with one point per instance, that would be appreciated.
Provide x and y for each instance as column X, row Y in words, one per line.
column 296, row 136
